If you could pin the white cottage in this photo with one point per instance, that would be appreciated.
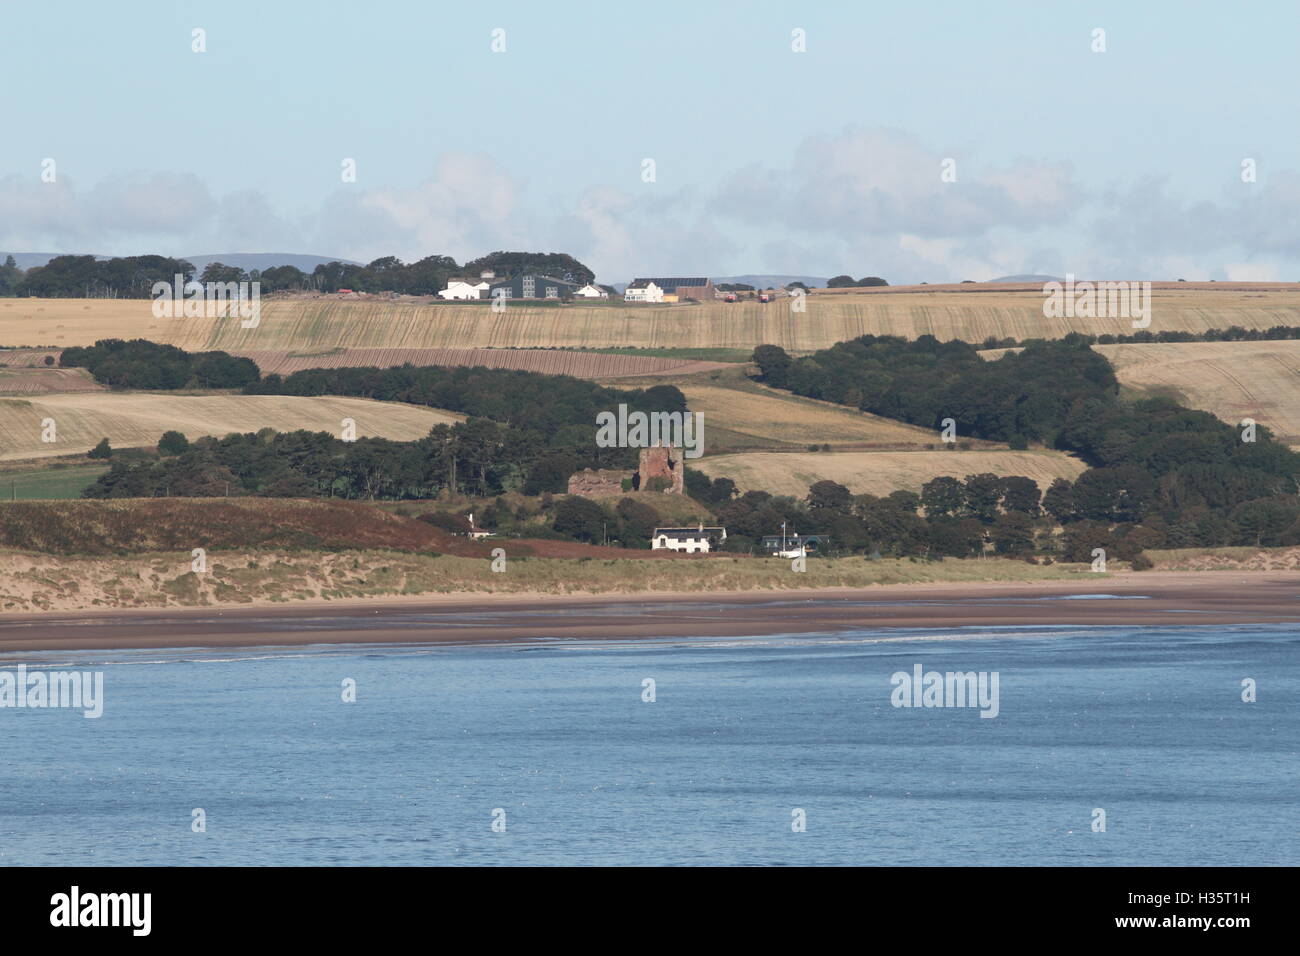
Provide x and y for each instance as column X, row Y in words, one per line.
column 699, row 540
column 643, row 290
column 592, row 291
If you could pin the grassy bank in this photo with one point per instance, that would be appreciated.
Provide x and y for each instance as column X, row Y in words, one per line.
column 30, row 581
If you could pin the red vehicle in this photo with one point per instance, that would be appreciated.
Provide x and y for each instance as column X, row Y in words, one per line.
column 764, row 297
column 729, row 297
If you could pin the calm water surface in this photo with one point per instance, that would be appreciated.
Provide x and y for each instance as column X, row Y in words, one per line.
column 1146, row 723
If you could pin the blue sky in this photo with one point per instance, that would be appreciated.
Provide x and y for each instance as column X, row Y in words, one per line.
column 1122, row 164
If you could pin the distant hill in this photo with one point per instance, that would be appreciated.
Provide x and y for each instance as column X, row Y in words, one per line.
column 244, row 260
column 1028, row 278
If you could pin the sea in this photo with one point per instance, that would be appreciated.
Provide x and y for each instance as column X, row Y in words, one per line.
column 1173, row 745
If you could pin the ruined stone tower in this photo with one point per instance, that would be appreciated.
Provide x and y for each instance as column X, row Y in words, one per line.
column 662, row 462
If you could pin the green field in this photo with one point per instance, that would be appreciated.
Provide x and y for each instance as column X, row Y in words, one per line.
column 65, row 481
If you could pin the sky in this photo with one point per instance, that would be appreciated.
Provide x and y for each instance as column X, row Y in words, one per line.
column 919, row 142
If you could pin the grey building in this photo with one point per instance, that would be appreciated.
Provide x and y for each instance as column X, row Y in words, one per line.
column 532, row 287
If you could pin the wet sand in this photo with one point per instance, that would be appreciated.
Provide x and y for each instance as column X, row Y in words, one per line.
column 1156, row 598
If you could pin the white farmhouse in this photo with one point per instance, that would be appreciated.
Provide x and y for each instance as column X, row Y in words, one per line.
column 643, row 290
column 456, row 289
column 699, row 540
column 592, row 291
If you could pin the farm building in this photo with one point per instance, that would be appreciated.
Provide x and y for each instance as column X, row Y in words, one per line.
column 669, row 290
column 592, row 291
column 460, row 289
column 699, row 540
column 532, row 287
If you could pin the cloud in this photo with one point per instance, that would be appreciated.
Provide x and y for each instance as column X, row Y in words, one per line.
column 883, row 182
column 469, row 203
column 863, row 201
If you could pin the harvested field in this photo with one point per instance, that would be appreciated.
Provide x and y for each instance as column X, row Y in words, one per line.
column 973, row 314
column 767, row 416
column 548, row 361
column 879, row 473
column 135, row 419
column 1233, row 380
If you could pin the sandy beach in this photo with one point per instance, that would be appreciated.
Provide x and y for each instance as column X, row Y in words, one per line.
column 1156, row 598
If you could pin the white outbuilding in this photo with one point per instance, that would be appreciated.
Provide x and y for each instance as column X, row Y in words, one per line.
column 456, row 289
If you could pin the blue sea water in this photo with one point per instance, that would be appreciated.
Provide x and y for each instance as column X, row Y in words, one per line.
column 1145, row 723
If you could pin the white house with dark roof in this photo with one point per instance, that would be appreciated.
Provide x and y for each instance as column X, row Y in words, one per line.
column 699, row 540
column 643, row 290
column 656, row 289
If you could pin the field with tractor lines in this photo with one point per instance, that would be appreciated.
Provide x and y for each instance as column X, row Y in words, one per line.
column 592, row 365
column 880, row 472
column 137, row 419
column 325, row 323
column 43, row 381
column 1233, row 380
column 771, row 417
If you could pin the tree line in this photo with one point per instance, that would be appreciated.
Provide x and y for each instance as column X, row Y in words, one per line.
column 133, row 277
column 1159, row 475
column 525, row 432
column 141, row 364
column 1023, row 396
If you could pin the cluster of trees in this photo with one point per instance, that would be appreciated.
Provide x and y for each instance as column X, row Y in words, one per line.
column 526, row 432
column 1160, row 475
column 11, row 277
column 1022, row 397
column 132, row 277
column 1175, row 477
column 846, row 282
column 949, row 518
column 557, row 265
column 147, row 365
column 559, row 408
column 475, row 457
column 85, row 277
